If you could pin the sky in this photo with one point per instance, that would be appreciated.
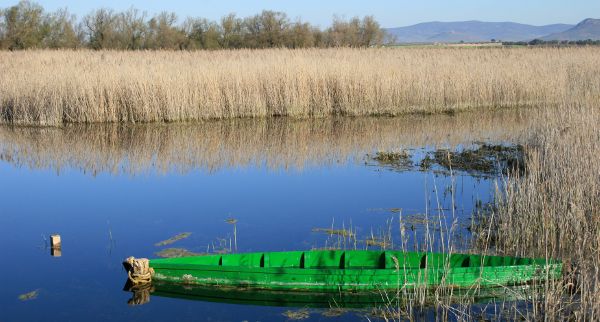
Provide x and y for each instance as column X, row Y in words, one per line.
column 389, row 13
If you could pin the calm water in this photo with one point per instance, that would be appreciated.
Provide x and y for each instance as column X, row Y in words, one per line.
column 114, row 191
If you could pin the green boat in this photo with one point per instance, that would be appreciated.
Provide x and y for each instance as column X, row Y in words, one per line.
column 345, row 270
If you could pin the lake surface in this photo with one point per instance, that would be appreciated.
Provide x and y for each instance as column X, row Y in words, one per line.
column 113, row 191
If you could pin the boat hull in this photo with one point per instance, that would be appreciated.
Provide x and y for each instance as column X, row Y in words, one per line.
column 353, row 271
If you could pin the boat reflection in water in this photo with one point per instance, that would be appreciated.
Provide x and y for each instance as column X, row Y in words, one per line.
column 141, row 294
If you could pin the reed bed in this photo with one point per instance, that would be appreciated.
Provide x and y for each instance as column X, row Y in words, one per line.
column 276, row 143
column 57, row 87
column 553, row 211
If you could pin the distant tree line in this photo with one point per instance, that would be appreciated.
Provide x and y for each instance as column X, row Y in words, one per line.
column 27, row 25
column 539, row 42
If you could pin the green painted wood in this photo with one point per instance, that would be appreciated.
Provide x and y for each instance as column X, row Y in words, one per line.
column 353, row 270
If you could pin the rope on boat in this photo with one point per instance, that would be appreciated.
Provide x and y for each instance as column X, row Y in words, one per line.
column 138, row 270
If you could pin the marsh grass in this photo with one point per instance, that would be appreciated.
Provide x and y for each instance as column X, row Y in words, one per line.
column 548, row 209
column 476, row 159
column 553, row 211
column 58, row 87
column 233, row 222
column 484, row 159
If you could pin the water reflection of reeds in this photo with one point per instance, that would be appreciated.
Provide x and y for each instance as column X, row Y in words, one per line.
column 278, row 143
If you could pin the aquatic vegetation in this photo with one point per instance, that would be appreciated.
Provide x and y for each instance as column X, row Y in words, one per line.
column 426, row 163
column 176, row 252
column 233, row 221
column 420, row 219
column 338, row 232
column 379, row 242
column 173, row 239
column 43, row 87
column 335, row 312
column 300, row 314
column 479, row 160
column 221, row 247
column 397, row 160
column 29, row 296
column 483, row 159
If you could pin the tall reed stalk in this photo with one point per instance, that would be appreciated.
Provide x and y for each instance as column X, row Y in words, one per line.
column 553, row 210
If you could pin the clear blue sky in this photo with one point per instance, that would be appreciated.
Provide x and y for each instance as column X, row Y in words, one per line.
column 388, row 13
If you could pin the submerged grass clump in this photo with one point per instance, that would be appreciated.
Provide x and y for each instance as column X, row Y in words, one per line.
column 479, row 160
column 338, row 232
column 484, row 159
column 173, row 239
column 300, row 314
column 45, row 87
column 400, row 160
column 379, row 242
column 176, row 252
column 29, row 296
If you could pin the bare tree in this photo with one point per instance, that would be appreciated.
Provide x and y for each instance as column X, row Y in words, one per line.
column 23, row 26
column 202, row 33
column 300, row 35
column 100, row 28
column 131, row 29
column 266, row 30
column 232, row 32
column 163, row 33
column 371, row 33
column 61, row 30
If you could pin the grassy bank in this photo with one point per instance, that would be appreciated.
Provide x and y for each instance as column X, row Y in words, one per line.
column 57, row 87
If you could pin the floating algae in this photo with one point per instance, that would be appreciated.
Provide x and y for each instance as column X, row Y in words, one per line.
column 173, row 239
column 421, row 219
column 29, row 296
column 479, row 160
column 335, row 312
column 330, row 231
column 297, row 315
column 231, row 221
column 176, row 252
column 396, row 160
column 485, row 159
column 374, row 241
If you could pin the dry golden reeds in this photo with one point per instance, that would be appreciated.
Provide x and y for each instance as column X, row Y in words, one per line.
column 553, row 210
column 57, row 87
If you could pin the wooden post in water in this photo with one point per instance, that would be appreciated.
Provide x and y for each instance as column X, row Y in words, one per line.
column 55, row 245
column 55, row 252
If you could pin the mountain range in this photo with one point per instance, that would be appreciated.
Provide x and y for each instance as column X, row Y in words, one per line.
column 477, row 31
column 587, row 29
